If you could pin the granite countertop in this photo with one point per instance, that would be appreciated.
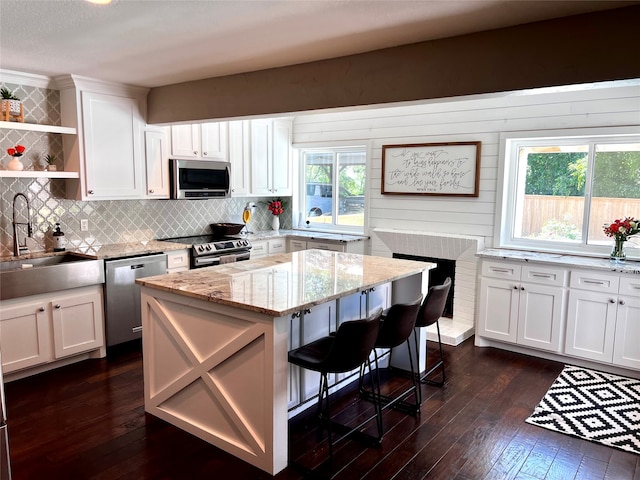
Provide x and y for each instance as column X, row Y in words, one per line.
column 306, row 234
column 115, row 250
column 283, row 284
column 560, row 260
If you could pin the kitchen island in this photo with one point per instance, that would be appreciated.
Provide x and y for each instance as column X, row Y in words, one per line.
column 215, row 340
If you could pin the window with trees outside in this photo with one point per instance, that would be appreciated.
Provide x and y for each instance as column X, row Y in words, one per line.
column 333, row 187
column 560, row 191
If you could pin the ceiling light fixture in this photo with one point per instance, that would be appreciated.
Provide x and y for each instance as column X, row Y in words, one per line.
column 100, row 2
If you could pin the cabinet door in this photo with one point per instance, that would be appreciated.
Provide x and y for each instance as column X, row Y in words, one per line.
column 185, row 141
column 113, row 147
column 157, row 163
column 498, row 317
column 281, row 182
column 213, row 140
column 240, row 157
column 25, row 335
column 626, row 351
column 319, row 322
column 261, row 159
column 541, row 316
column 78, row 325
column 591, row 325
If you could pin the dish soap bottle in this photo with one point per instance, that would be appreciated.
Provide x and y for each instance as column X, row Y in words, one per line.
column 59, row 242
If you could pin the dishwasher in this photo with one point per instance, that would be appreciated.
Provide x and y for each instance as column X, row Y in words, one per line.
column 122, row 295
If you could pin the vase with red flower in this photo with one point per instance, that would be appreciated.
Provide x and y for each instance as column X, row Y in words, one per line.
column 15, row 152
column 276, row 208
column 620, row 230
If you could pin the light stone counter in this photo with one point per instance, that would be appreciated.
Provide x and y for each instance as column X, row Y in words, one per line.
column 215, row 341
column 312, row 277
column 632, row 267
column 306, row 234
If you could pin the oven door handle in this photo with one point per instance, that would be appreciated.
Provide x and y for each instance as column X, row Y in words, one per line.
column 206, row 261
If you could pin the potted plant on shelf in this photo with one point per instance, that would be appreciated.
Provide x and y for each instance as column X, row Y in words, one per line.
column 50, row 160
column 11, row 106
column 16, row 152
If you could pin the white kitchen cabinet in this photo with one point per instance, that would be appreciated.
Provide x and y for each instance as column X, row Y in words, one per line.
column 240, row 157
column 108, row 151
column 263, row 248
column 77, row 320
column 42, row 329
column 271, row 157
column 296, row 245
column 603, row 322
column 523, row 304
column 203, row 141
column 157, row 162
column 25, row 334
column 177, row 261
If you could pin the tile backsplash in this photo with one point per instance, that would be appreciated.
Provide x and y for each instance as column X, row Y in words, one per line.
column 109, row 221
column 119, row 221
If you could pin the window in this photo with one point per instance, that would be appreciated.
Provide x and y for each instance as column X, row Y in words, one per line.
column 559, row 191
column 334, row 187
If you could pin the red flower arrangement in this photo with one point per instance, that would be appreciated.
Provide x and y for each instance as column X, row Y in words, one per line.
column 16, row 151
column 622, row 229
column 276, row 207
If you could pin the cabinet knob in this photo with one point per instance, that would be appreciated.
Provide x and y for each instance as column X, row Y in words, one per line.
column 515, row 287
column 41, row 309
column 204, row 154
column 57, row 305
column 521, row 288
column 90, row 192
column 151, row 191
column 611, row 300
column 195, row 152
column 621, row 302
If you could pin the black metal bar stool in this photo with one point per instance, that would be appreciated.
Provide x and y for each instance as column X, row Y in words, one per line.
column 349, row 348
column 430, row 312
column 396, row 327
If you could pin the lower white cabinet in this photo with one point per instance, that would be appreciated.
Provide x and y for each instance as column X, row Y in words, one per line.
column 603, row 321
column 263, row 248
column 44, row 328
column 297, row 245
column 523, row 304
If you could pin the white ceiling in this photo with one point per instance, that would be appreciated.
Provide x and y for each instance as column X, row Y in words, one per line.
column 160, row 42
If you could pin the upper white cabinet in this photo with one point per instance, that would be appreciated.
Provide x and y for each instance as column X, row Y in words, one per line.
column 203, row 141
column 271, row 157
column 156, row 151
column 240, row 157
column 108, row 151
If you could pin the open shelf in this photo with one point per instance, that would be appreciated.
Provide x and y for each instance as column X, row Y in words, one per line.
column 34, row 127
column 37, row 174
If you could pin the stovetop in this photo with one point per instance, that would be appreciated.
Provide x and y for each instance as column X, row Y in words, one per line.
column 211, row 244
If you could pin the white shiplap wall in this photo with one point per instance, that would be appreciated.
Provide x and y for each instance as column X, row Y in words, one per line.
column 481, row 118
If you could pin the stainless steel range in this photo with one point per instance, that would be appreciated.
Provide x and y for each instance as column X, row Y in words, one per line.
column 208, row 250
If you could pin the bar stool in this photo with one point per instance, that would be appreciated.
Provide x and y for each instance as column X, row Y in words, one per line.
column 349, row 348
column 396, row 327
column 430, row 312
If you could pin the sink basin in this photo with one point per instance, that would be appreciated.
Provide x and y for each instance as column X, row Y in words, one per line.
column 48, row 274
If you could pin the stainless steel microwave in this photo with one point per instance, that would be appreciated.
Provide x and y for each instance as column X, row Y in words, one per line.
column 199, row 179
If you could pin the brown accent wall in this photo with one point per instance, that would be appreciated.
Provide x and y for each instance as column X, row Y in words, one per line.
column 579, row 49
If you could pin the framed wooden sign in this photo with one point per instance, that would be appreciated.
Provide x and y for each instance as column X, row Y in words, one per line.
column 431, row 169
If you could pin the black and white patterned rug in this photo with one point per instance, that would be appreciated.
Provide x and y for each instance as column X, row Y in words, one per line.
column 595, row 406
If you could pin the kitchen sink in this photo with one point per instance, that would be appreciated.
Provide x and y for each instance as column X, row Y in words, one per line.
column 21, row 278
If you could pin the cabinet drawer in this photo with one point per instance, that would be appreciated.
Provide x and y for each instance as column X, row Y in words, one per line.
column 297, row 245
column 630, row 286
column 510, row 271
column 258, row 249
column 544, row 275
column 178, row 259
column 277, row 246
column 594, row 281
column 335, row 247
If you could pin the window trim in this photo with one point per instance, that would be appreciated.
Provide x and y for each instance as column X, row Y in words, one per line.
column 506, row 190
column 300, row 148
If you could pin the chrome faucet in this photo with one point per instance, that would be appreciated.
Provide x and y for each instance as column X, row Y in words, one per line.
column 17, row 248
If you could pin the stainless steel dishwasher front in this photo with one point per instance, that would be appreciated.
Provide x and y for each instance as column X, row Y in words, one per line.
column 122, row 295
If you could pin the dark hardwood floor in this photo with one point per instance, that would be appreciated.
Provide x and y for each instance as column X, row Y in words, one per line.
column 87, row 421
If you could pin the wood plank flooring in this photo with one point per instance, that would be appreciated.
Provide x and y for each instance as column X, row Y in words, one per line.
column 87, row 421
